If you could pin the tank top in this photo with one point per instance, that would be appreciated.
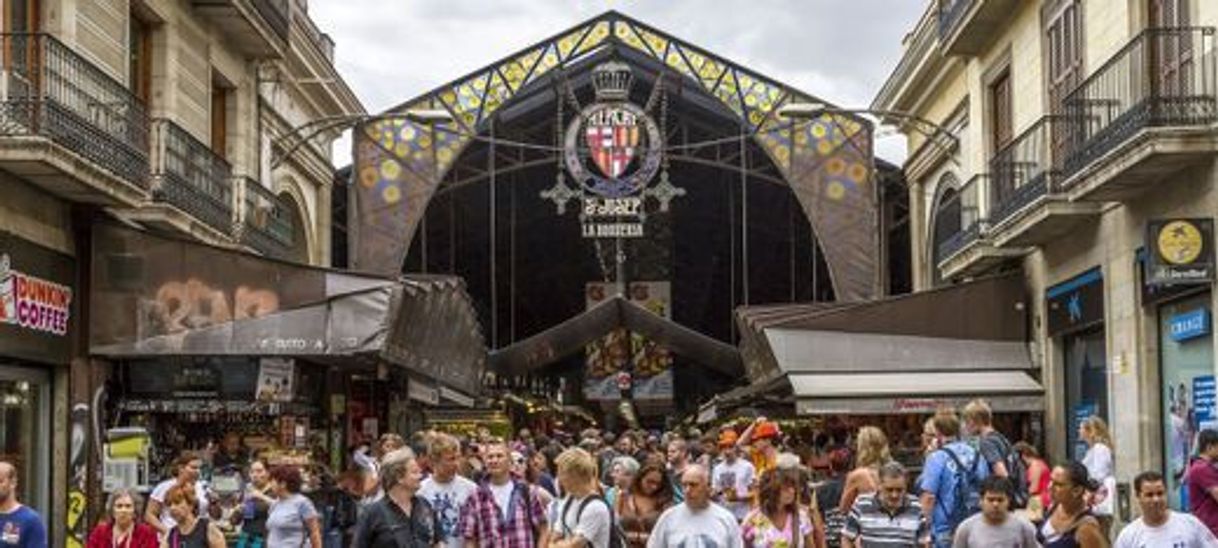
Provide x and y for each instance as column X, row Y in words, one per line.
column 1052, row 538
column 197, row 538
column 636, row 524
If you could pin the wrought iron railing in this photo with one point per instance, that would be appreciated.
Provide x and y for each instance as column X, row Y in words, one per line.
column 1163, row 77
column 266, row 222
column 277, row 14
column 191, row 176
column 48, row 90
column 1029, row 166
column 972, row 223
column 950, row 14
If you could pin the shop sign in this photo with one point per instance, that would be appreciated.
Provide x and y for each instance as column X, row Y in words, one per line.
column 1190, row 325
column 31, row 302
column 1181, row 251
column 1204, row 408
column 422, row 392
column 1076, row 303
column 276, row 379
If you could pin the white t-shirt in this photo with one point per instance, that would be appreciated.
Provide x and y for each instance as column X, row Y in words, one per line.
column 593, row 524
column 162, row 489
column 503, row 496
column 446, row 500
column 681, row 527
column 1180, row 531
column 1098, row 461
column 739, row 475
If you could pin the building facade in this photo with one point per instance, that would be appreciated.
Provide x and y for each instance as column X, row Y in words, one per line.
column 1079, row 130
column 163, row 115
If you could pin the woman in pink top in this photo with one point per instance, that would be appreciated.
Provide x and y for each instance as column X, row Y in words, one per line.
column 778, row 522
column 1038, row 474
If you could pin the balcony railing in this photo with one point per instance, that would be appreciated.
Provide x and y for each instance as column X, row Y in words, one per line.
column 192, row 177
column 266, row 223
column 1163, row 77
column 967, row 202
column 950, row 14
column 277, row 14
column 1029, row 166
column 48, row 90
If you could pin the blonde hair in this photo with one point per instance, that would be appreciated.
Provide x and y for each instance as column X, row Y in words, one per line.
column 1098, row 429
column 872, row 447
column 978, row 412
column 441, row 444
column 576, row 462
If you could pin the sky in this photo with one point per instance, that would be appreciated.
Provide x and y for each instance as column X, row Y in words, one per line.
column 389, row 51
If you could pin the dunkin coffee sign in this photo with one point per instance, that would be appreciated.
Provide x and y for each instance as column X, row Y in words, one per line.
column 31, row 302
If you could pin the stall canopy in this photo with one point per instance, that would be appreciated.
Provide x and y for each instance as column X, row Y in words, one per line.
column 575, row 334
column 156, row 296
column 907, row 354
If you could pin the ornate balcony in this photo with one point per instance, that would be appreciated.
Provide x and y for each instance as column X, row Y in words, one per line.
column 191, row 178
column 68, row 126
column 967, row 26
column 265, row 222
column 970, row 251
column 1143, row 115
column 257, row 27
column 1027, row 205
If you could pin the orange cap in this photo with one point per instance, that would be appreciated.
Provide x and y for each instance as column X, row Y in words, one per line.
column 765, row 430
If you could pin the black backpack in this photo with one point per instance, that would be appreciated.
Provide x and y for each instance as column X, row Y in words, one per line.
column 617, row 537
column 1017, row 472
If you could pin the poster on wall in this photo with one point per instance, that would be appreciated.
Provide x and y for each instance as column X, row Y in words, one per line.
column 620, row 350
column 1081, row 412
column 275, row 379
column 1181, row 251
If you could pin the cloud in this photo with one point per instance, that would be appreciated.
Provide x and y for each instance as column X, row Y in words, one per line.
column 390, row 51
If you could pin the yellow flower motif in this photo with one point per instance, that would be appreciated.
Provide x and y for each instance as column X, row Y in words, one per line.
column 390, row 170
column 402, row 150
column 392, row 194
column 407, row 132
column 368, row 177
column 835, row 166
column 824, row 147
column 444, row 155
column 857, row 173
column 818, row 130
column 836, row 191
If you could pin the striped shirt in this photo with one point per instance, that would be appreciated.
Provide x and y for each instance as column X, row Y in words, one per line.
column 873, row 526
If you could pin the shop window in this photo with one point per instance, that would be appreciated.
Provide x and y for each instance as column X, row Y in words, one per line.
column 24, row 432
column 1186, row 361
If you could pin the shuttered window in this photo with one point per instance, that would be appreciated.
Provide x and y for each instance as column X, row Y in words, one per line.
column 1000, row 115
column 1064, row 39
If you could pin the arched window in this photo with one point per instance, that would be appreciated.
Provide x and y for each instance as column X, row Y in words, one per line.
column 946, row 220
column 298, row 246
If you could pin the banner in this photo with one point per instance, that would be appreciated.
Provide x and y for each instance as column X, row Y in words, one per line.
column 276, row 379
column 1180, row 251
column 649, row 364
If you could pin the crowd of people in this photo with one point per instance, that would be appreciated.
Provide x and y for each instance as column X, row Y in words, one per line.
column 733, row 488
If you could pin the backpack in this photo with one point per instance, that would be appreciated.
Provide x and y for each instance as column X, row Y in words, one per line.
column 617, row 537
column 965, row 486
column 1017, row 472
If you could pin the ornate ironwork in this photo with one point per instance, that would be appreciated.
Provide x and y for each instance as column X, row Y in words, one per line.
column 1162, row 77
column 1029, row 167
column 192, row 177
column 51, row 91
column 972, row 223
column 266, row 221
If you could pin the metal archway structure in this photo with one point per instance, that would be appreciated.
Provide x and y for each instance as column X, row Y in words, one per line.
column 400, row 163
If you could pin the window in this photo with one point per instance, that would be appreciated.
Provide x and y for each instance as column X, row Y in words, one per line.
column 139, row 67
column 1064, row 42
column 22, row 16
column 1001, row 130
column 219, row 117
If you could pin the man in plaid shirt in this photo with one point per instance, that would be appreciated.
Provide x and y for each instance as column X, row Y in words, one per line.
column 503, row 512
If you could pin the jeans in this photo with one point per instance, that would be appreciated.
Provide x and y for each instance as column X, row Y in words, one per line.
column 942, row 540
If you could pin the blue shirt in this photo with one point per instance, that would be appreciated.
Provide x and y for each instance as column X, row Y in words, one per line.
column 22, row 528
column 938, row 479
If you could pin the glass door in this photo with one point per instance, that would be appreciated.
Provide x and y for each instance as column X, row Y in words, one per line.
column 24, row 432
column 1086, row 384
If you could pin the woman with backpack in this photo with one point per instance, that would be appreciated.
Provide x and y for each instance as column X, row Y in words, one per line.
column 1070, row 522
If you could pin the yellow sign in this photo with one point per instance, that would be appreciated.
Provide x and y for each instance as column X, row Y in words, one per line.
column 1180, row 242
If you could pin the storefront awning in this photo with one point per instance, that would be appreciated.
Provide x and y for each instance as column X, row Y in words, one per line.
column 155, row 296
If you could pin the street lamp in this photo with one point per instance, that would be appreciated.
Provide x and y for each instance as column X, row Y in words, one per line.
column 933, row 131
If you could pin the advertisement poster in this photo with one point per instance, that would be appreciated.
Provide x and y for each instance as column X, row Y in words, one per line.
column 620, row 350
column 1081, row 412
column 275, row 376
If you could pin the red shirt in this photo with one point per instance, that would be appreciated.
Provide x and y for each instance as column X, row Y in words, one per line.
column 103, row 537
column 1201, row 478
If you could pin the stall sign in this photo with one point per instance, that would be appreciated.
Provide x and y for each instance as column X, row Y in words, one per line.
column 1181, row 251
column 276, row 379
column 1190, row 325
column 31, row 302
column 422, row 392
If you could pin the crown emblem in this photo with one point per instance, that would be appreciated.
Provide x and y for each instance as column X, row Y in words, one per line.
column 612, row 81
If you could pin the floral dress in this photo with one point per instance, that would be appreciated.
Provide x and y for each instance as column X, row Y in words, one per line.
column 759, row 532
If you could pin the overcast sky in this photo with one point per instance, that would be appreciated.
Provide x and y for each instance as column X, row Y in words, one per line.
column 842, row 50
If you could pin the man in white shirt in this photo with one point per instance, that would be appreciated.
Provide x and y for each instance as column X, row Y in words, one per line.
column 733, row 478
column 1159, row 525
column 697, row 521
column 584, row 518
column 445, row 490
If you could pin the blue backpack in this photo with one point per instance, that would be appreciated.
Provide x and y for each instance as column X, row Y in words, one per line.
column 966, row 488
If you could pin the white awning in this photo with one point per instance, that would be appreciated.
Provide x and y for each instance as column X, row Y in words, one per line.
column 906, row 392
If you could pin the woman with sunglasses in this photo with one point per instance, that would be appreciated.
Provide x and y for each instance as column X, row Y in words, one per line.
column 639, row 508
